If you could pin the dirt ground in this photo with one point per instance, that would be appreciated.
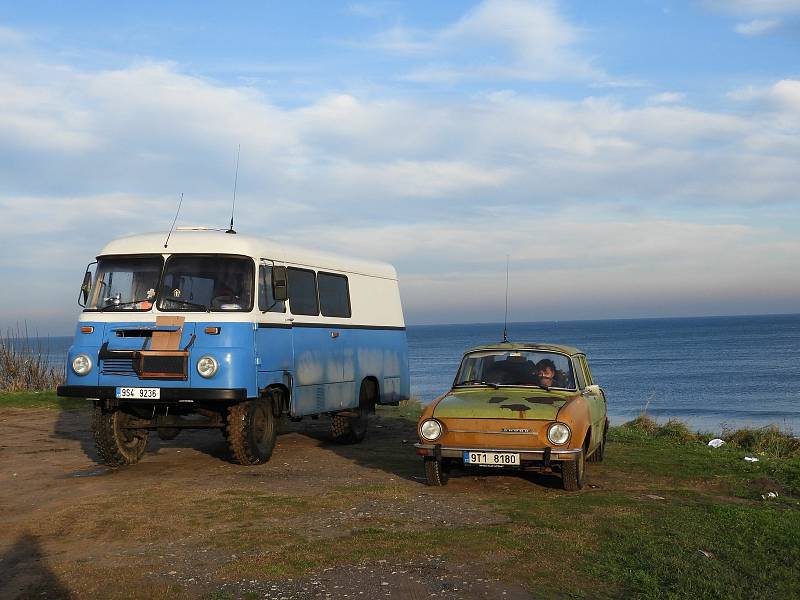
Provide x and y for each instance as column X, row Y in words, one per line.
column 187, row 522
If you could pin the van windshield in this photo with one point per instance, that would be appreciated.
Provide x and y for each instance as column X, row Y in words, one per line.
column 207, row 283
column 122, row 283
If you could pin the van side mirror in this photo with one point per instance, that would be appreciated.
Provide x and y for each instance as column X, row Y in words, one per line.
column 280, row 285
column 86, row 286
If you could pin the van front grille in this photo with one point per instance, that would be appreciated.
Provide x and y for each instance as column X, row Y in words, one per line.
column 118, row 366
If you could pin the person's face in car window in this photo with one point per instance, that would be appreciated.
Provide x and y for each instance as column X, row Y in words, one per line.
column 545, row 375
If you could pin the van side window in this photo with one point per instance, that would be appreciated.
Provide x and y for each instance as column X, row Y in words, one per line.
column 303, row 292
column 266, row 301
column 334, row 296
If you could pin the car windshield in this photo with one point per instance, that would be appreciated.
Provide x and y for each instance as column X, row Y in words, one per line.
column 516, row 367
column 207, row 283
column 125, row 283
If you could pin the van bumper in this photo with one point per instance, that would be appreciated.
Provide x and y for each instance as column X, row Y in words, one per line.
column 167, row 394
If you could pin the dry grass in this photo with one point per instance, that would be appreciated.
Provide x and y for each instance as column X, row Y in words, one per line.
column 24, row 365
column 769, row 441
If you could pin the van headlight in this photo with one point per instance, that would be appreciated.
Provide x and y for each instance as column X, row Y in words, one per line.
column 430, row 429
column 558, row 434
column 81, row 364
column 207, row 366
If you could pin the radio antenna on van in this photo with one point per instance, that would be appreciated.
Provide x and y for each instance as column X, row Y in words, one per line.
column 235, row 181
column 174, row 220
column 505, row 323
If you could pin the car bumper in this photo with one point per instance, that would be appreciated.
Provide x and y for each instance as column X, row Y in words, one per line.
column 167, row 394
column 532, row 455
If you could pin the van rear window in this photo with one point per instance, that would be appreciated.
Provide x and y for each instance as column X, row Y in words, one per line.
column 303, row 292
column 334, row 296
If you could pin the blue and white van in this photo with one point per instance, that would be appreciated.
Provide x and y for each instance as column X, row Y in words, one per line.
column 227, row 331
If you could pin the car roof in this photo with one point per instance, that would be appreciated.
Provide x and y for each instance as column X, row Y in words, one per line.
column 527, row 346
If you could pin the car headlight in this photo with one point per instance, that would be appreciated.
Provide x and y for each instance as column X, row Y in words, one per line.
column 558, row 434
column 207, row 366
column 430, row 429
column 81, row 364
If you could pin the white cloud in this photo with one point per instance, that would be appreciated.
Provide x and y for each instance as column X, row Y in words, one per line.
column 756, row 7
column 667, row 98
column 758, row 27
column 498, row 39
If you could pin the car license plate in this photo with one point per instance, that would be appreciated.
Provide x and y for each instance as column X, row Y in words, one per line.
column 491, row 459
column 139, row 393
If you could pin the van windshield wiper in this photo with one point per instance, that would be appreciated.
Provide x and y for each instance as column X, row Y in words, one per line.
column 121, row 304
column 202, row 307
column 480, row 381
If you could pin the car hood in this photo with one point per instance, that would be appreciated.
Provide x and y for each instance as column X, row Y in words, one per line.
column 503, row 403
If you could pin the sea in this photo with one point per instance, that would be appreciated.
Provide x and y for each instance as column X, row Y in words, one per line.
column 714, row 373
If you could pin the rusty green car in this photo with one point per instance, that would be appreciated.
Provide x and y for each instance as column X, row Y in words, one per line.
column 519, row 406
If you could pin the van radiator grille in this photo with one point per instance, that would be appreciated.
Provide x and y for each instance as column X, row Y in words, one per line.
column 118, row 366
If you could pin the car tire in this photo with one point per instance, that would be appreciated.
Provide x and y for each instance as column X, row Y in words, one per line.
column 573, row 473
column 352, row 430
column 117, row 445
column 252, row 430
column 435, row 472
column 600, row 452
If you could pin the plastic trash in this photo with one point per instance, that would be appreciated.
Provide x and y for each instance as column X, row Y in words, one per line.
column 751, row 458
column 769, row 495
column 716, row 443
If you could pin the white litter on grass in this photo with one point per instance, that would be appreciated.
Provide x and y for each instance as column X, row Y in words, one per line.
column 716, row 443
column 769, row 495
column 751, row 459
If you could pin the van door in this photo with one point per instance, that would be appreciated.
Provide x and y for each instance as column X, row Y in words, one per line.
column 274, row 350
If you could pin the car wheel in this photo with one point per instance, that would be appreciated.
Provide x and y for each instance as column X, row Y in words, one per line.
column 600, row 452
column 116, row 444
column 252, row 430
column 435, row 472
column 573, row 473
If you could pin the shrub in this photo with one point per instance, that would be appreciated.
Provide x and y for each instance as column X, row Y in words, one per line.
column 24, row 364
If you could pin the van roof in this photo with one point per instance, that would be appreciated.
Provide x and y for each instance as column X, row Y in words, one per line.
column 203, row 241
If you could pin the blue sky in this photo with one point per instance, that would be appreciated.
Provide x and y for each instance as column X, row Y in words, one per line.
column 633, row 158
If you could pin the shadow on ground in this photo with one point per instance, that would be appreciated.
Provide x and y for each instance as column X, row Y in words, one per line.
column 24, row 572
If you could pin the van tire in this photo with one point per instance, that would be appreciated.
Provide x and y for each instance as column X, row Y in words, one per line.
column 435, row 472
column 573, row 473
column 352, row 430
column 252, row 430
column 116, row 445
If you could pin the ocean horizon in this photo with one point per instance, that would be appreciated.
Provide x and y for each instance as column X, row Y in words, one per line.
column 713, row 373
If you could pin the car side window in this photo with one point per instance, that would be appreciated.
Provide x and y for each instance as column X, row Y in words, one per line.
column 579, row 373
column 334, row 295
column 303, row 292
column 587, row 371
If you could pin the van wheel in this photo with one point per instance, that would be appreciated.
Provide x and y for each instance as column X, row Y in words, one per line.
column 252, row 430
column 573, row 473
column 435, row 472
column 352, row 430
column 115, row 443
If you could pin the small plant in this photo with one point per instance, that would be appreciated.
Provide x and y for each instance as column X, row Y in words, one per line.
column 769, row 441
column 677, row 431
column 24, row 365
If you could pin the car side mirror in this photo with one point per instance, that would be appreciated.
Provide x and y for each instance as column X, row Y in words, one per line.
column 280, row 287
column 592, row 390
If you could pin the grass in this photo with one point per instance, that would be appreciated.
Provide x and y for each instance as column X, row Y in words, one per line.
column 43, row 399
column 24, row 365
column 664, row 516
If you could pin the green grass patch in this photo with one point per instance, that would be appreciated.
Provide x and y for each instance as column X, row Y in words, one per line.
column 44, row 399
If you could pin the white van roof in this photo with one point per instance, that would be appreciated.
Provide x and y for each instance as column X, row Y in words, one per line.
column 204, row 241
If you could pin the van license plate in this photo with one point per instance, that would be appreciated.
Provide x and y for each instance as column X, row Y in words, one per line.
column 491, row 459
column 139, row 393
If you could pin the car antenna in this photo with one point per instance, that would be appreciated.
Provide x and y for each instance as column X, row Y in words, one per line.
column 174, row 220
column 235, row 181
column 505, row 323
